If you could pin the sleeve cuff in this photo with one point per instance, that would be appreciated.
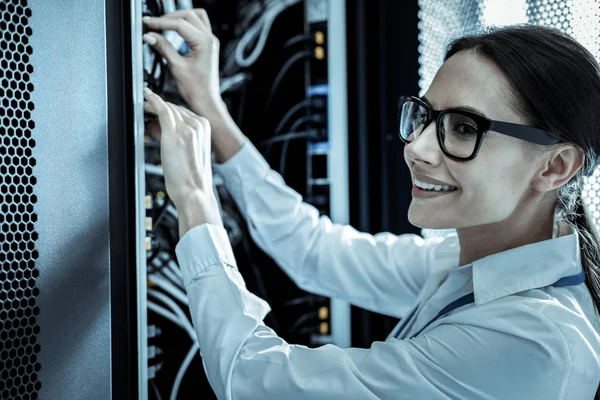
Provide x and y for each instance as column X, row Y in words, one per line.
column 202, row 247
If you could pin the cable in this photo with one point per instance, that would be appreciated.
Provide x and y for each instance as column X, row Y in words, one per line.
column 173, row 211
column 303, row 318
column 169, row 288
column 299, row 300
column 297, row 39
column 156, row 83
column 156, row 392
column 310, row 133
column 182, row 370
column 283, row 157
column 165, row 314
column 261, row 28
column 233, row 82
column 290, row 113
column 158, row 171
column 187, row 325
column 193, row 350
column 172, row 276
column 164, row 270
column 281, row 74
column 154, row 170
column 286, row 143
column 241, row 106
column 162, row 212
column 150, row 259
column 156, row 10
column 175, row 268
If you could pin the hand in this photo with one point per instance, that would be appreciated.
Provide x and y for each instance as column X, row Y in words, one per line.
column 186, row 158
column 196, row 73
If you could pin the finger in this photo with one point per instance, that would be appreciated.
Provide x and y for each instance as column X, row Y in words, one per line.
column 190, row 16
column 205, row 124
column 163, row 47
column 176, row 114
column 194, row 124
column 203, row 15
column 199, row 122
column 185, row 112
column 149, row 109
column 207, row 131
column 207, row 139
column 165, row 114
column 192, row 35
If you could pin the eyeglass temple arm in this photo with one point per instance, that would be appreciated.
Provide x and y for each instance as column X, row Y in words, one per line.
column 523, row 132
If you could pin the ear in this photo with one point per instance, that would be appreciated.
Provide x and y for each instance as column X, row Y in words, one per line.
column 558, row 167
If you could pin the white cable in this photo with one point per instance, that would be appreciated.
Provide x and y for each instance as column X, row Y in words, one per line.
column 185, row 326
column 177, row 310
column 182, row 369
column 172, row 210
column 172, row 37
column 183, row 320
column 232, row 81
column 165, row 313
column 173, row 277
column 154, row 170
column 169, row 288
column 175, row 268
column 182, row 4
column 262, row 25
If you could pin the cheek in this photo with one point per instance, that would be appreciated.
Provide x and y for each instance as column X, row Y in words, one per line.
column 489, row 191
column 493, row 196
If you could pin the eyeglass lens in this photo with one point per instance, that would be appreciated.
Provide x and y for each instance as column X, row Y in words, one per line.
column 458, row 132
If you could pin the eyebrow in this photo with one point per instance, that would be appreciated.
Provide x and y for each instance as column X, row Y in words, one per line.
column 462, row 108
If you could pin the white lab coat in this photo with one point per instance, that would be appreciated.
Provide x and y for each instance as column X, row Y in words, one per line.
column 520, row 340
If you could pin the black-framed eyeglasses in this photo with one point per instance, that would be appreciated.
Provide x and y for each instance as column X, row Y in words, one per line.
column 459, row 132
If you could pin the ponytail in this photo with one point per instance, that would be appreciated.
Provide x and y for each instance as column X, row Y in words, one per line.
column 590, row 250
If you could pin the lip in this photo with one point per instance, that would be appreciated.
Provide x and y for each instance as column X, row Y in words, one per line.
column 428, row 179
column 426, row 194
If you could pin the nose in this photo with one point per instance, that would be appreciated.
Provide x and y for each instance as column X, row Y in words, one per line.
column 425, row 147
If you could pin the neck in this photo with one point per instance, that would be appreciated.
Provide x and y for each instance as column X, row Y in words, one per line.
column 517, row 230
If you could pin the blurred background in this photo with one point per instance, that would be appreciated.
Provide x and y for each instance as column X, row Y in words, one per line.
column 91, row 299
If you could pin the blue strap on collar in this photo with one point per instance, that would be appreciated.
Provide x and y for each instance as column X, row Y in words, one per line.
column 572, row 280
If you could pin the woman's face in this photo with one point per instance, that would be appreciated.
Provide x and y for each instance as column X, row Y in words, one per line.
column 490, row 187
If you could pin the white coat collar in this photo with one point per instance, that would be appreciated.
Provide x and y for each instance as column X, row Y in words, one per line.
column 526, row 267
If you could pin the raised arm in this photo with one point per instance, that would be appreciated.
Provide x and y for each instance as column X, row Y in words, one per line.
column 383, row 273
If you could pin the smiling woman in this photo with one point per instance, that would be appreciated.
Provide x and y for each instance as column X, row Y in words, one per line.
column 544, row 87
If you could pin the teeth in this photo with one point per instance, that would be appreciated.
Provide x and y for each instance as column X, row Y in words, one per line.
column 429, row 186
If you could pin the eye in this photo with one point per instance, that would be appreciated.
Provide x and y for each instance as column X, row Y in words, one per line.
column 464, row 128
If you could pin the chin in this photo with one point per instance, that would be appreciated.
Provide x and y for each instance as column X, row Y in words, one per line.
column 428, row 221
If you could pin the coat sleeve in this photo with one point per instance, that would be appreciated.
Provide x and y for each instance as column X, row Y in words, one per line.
column 382, row 273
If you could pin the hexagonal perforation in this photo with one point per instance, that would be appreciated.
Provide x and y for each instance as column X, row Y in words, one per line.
column 19, row 363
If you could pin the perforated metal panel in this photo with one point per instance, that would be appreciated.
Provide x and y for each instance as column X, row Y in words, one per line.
column 440, row 21
column 55, row 288
column 19, row 349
